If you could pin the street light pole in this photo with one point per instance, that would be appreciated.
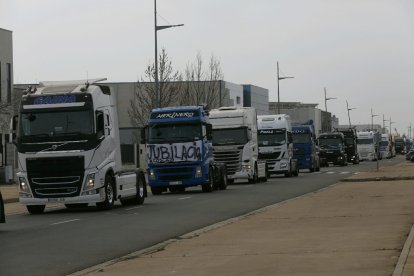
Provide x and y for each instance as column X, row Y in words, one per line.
column 158, row 28
column 326, row 109
column 383, row 122
column 390, row 126
column 278, row 93
column 349, row 118
column 372, row 120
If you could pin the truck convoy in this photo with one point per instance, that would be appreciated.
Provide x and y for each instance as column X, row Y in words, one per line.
column 351, row 145
column 332, row 148
column 305, row 148
column 69, row 150
column 235, row 143
column 275, row 144
column 179, row 151
column 368, row 145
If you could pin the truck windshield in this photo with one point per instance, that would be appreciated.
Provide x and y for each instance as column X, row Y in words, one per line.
column 165, row 133
column 384, row 143
column 349, row 141
column 365, row 141
column 301, row 138
column 272, row 139
column 230, row 136
column 329, row 142
column 41, row 125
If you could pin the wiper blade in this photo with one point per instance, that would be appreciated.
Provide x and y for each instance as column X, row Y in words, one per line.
column 39, row 135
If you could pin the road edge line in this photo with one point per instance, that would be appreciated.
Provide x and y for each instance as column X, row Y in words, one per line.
column 399, row 268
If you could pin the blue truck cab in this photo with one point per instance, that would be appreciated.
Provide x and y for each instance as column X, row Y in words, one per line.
column 179, row 152
column 305, row 148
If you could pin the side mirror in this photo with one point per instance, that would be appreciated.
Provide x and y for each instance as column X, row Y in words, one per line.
column 209, row 129
column 13, row 129
column 144, row 135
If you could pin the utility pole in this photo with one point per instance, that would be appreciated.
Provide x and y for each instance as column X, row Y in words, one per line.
column 278, row 79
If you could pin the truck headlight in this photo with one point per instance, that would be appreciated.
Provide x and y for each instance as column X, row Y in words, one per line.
column 89, row 182
column 151, row 175
column 198, row 172
column 24, row 186
column 246, row 167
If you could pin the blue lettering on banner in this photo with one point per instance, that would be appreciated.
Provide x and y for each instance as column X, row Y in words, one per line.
column 177, row 152
column 55, row 99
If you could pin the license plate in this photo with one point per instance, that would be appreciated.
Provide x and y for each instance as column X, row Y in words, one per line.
column 55, row 200
column 176, row 182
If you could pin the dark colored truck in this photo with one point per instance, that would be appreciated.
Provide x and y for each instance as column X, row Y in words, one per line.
column 332, row 148
column 351, row 145
column 399, row 145
column 179, row 151
column 305, row 149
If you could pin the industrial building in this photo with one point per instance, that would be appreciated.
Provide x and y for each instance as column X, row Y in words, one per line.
column 6, row 102
column 257, row 97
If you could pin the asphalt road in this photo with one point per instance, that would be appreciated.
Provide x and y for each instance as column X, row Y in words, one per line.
column 62, row 241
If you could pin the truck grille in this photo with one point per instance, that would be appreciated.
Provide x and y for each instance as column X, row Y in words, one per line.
column 175, row 173
column 269, row 155
column 232, row 158
column 53, row 177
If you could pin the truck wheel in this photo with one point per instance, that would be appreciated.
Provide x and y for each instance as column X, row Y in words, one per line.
column 296, row 170
column 108, row 203
column 223, row 180
column 35, row 209
column 208, row 187
column 156, row 190
column 141, row 186
column 255, row 178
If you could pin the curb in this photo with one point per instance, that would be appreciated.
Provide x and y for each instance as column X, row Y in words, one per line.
column 382, row 178
column 399, row 268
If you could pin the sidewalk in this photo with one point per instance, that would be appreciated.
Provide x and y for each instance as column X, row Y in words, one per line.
column 350, row 228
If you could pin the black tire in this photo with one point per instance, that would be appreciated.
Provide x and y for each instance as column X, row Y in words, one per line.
column 109, row 201
column 231, row 181
column 297, row 170
column 255, row 178
column 35, row 209
column 223, row 180
column 208, row 187
column 157, row 190
column 76, row 205
column 141, row 191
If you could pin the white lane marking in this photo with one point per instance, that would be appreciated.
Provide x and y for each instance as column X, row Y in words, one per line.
column 331, row 172
column 187, row 197
column 343, row 172
column 66, row 221
column 132, row 208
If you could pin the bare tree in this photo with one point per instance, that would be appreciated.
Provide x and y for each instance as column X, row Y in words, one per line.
column 202, row 86
column 145, row 96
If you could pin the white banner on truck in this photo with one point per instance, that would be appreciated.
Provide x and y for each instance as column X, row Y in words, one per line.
column 175, row 152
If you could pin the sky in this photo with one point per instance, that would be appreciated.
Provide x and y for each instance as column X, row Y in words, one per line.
column 361, row 51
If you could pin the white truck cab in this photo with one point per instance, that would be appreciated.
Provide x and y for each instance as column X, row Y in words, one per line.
column 235, row 143
column 276, row 144
column 368, row 142
column 69, row 149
